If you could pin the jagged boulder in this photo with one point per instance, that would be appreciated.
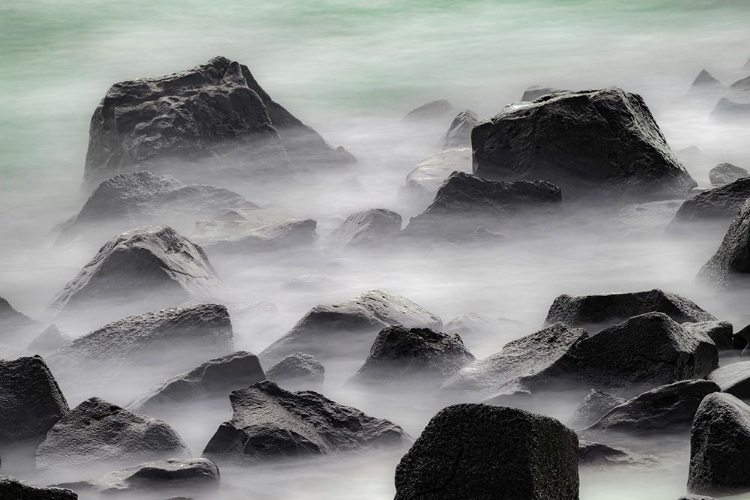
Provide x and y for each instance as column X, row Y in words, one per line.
column 16, row 328
column 595, row 144
column 735, row 103
column 48, row 341
column 423, row 183
column 728, row 269
column 733, row 379
column 270, row 423
column 348, row 329
column 594, row 406
column 726, row 173
column 366, row 229
column 713, row 209
column 721, row 332
column 298, row 371
column 433, row 110
column 706, row 87
column 480, row 451
column 13, row 489
column 536, row 91
column 459, row 132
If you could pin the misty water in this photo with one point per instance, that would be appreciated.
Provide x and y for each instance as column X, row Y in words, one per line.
column 352, row 70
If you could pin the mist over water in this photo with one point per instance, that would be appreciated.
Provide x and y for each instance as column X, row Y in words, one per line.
column 352, row 71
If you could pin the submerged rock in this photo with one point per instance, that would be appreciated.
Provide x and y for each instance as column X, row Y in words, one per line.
column 713, row 209
column 726, row 173
column 49, row 341
column 459, row 132
column 536, row 91
column 597, row 144
column 479, row 451
column 270, row 423
column 728, row 269
column 735, row 103
column 733, row 379
column 366, row 229
column 297, row 371
column 423, row 183
column 16, row 328
column 433, row 110
column 13, row 489
column 594, row 406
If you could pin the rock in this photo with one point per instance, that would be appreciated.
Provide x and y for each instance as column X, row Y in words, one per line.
column 259, row 230
column 594, row 406
column 720, row 446
column 137, row 271
column 465, row 202
column 735, row 103
column 131, row 352
column 16, row 328
column 366, row 229
column 592, row 454
column 297, row 371
column 213, row 379
column 691, row 157
column 270, row 423
column 475, row 328
column 706, row 87
column 728, row 269
column 596, row 312
column 733, row 379
column 536, row 91
column 479, row 451
column 309, row 283
column 712, row 209
column 173, row 475
column 412, row 356
column 695, row 497
column 97, row 435
column 721, row 332
column 433, row 110
column 423, row 183
column 49, row 341
column 348, row 329
column 601, row 145
column 13, row 489
column 726, row 173
column 459, row 132
column 636, row 219
column 669, row 408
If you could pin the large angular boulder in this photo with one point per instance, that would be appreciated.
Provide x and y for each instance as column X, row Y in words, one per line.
column 13, row 489
column 480, row 451
column 729, row 268
column 213, row 379
column 366, row 229
column 459, row 132
column 735, row 103
column 594, row 144
column 733, row 379
column 720, row 446
column 137, row 352
column 726, row 173
column 720, row 332
column 713, row 209
column 97, row 435
column 270, row 423
column 595, row 312
column 298, row 371
column 349, row 328
column 412, row 357
column 706, row 87
column 16, row 328
column 423, row 183
column 594, row 406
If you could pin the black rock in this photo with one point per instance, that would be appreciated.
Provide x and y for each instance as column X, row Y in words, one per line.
column 728, row 269
column 298, row 371
column 366, row 229
column 214, row 378
column 726, row 173
column 433, row 110
column 536, row 91
column 97, row 435
column 594, row 406
column 423, row 183
column 706, row 87
column 459, row 132
column 595, row 312
column 349, row 328
column 733, row 379
column 270, row 423
column 480, row 452
column 592, row 454
column 49, row 341
column 713, row 209
column 412, row 356
column 13, row 489
column 16, row 328
column 597, row 144
column 695, row 497
column 721, row 332
column 720, row 446
column 735, row 103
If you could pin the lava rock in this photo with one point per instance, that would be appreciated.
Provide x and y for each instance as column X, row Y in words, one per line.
column 266, row 230
column 733, row 379
column 706, row 87
column 728, row 269
column 297, row 371
column 433, row 110
column 49, row 341
column 721, row 332
column 459, row 132
column 423, row 183
column 720, row 446
column 594, row 406
column 367, row 229
column 735, row 103
column 712, row 209
column 408, row 356
column 536, row 91
column 726, row 173
column 596, row 144
column 16, row 328
column 13, row 489
column 349, row 328
column 480, row 451
column 270, row 423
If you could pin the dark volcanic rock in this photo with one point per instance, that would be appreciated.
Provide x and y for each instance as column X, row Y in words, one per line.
column 594, row 406
column 270, row 423
column 366, row 229
column 599, row 144
column 733, row 379
column 536, row 91
column 13, row 489
column 669, row 408
column 132, row 351
column 721, row 332
column 423, row 183
column 728, row 269
column 214, row 378
column 459, row 132
column 411, row 356
column 49, row 341
column 298, row 370
column 482, row 452
column 140, row 270
column 595, row 312
column 465, row 202
column 706, row 87
column 433, row 110
column 726, row 173
column 349, row 328
column 735, row 103
column 98, row 435
column 16, row 328
column 715, row 208
column 720, row 446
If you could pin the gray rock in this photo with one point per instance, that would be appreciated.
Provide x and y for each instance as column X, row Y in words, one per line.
column 735, row 103
column 691, row 157
column 726, row 173
column 706, row 87
column 412, row 357
column 433, row 110
column 270, row 423
column 481, row 452
column 16, row 328
column 536, row 91
column 714, row 209
column 474, row 329
column 212, row 379
column 97, row 435
column 728, row 269
column 349, row 328
column 49, row 341
column 594, row 406
column 298, row 371
column 592, row 454
column 423, row 183
column 595, row 312
column 720, row 447
column 721, row 332
column 366, row 229
column 459, row 132
column 601, row 145
column 256, row 231
column 733, row 379
column 13, row 489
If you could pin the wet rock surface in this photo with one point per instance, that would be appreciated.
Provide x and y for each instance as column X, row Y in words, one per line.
column 733, row 379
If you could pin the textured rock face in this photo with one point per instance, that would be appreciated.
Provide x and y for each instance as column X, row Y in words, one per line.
column 728, row 269
column 270, row 423
column 214, row 378
column 13, row 489
column 459, row 132
column 366, row 229
column 536, row 91
column 720, row 446
column 483, row 452
column 298, row 370
column 411, row 356
column 669, row 408
column 433, row 110
column 48, row 341
column 721, row 332
column 132, row 351
column 98, row 435
column 735, row 103
column 254, row 231
column 16, row 328
column 600, row 144
column 152, row 266
column 726, row 173
column 594, row 406
column 349, row 328
column 464, row 202
column 715, row 208
column 423, row 183
column 706, row 87
column 595, row 312
column 733, row 379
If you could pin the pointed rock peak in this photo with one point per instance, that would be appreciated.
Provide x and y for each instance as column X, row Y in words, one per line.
column 705, row 78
